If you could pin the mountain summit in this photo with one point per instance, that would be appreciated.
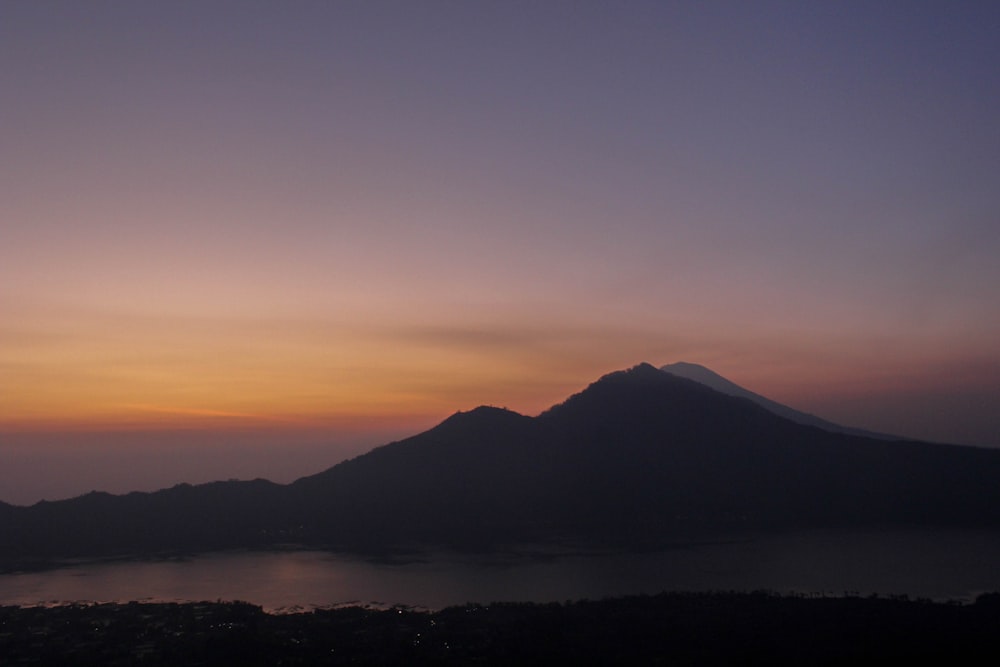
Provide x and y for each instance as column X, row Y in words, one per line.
column 639, row 457
column 712, row 379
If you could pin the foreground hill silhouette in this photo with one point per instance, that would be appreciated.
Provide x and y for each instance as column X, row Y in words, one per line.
column 639, row 458
column 684, row 629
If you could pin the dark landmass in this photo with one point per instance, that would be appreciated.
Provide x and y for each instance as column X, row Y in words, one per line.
column 640, row 458
column 676, row 628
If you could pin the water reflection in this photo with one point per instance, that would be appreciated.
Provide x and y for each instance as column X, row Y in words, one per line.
column 937, row 565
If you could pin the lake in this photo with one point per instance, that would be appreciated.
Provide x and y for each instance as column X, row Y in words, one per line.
column 940, row 565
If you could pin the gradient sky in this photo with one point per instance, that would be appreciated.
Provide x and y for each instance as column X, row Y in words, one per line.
column 299, row 229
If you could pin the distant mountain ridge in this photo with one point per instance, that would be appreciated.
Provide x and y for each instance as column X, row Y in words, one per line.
column 712, row 379
column 640, row 457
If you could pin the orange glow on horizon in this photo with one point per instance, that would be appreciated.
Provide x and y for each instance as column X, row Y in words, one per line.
column 97, row 370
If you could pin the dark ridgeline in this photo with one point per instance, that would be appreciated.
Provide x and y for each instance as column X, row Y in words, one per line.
column 638, row 458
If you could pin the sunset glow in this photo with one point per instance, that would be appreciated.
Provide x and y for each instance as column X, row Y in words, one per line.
column 352, row 218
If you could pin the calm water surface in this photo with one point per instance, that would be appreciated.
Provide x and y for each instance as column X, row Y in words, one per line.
column 937, row 565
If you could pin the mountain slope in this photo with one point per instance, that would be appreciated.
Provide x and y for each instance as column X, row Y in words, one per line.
column 711, row 379
column 638, row 457
column 642, row 454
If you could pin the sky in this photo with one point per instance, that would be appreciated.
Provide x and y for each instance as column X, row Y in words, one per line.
column 250, row 239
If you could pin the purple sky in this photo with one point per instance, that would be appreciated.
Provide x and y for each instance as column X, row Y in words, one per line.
column 284, row 224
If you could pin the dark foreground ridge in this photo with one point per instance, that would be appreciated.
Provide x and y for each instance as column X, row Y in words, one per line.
column 676, row 628
column 639, row 458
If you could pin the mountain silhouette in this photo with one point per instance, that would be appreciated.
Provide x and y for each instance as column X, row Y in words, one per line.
column 638, row 458
column 707, row 377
